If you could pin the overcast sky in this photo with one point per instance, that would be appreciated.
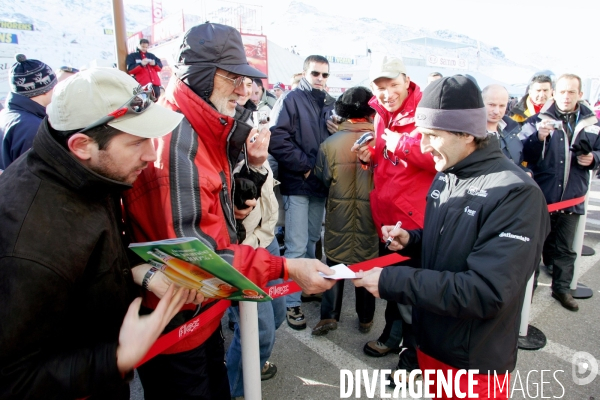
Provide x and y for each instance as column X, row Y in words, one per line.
column 513, row 26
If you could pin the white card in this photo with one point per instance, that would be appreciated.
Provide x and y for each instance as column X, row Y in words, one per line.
column 341, row 272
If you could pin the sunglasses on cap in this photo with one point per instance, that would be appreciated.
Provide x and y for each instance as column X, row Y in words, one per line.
column 69, row 69
column 316, row 74
column 237, row 82
column 143, row 98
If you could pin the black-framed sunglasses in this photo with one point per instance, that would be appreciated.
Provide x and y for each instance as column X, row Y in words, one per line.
column 237, row 82
column 69, row 69
column 385, row 155
column 316, row 74
column 143, row 98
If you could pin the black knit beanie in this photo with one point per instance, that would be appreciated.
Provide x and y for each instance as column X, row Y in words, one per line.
column 31, row 78
column 453, row 104
column 354, row 103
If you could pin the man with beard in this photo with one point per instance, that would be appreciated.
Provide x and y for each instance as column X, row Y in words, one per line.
column 485, row 223
column 69, row 327
column 189, row 193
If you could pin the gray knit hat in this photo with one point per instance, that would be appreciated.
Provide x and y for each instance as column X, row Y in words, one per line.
column 31, row 78
column 453, row 104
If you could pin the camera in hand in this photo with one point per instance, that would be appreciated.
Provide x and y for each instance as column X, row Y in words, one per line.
column 364, row 139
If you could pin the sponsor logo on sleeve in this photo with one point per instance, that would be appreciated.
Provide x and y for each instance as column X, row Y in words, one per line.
column 435, row 194
column 512, row 236
column 473, row 191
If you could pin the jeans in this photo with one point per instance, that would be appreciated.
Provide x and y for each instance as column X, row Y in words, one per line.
column 558, row 250
column 271, row 315
column 303, row 221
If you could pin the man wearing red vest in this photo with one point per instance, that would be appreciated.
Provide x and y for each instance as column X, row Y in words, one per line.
column 145, row 66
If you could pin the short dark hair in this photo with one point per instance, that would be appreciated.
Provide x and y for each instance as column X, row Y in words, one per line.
column 258, row 82
column 315, row 59
column 434, row 74
column 480, row 142
column 570, row 76
column 102, row 135
column 541, row 79
column 142, row 41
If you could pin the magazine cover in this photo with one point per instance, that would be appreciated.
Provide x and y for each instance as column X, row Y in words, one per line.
column 190, row 263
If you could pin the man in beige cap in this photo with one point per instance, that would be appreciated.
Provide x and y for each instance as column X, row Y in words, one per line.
column 70, row 324
column 401, row 175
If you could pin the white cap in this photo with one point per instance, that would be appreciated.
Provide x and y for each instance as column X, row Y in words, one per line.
column 94, row 93
column 387, row 67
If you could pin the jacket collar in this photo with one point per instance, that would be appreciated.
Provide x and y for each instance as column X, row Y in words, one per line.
column 507, row 125
column 478, row 161
column 19, row 102
column 66, row 169
column 405, row 114
column 216, row 130
column 356, row 127
column 550, row 109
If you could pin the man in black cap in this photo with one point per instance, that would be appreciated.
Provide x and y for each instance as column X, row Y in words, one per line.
column 31, row 84
column 189, row 193
column 485, row 224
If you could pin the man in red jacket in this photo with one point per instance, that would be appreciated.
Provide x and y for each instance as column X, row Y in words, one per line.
column 188, row 192
column 145, row 66
column 401, row 175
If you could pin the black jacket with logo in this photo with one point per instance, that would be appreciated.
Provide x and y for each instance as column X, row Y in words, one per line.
column 65, row 282
column 485, row 225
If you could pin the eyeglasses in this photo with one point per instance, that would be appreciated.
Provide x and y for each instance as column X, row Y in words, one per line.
column 143, row 98
column 316, row 74
column 237, row 82
column 69, row 69
column 385, row 155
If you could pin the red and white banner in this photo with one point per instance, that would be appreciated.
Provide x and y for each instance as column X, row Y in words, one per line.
column 157, row 12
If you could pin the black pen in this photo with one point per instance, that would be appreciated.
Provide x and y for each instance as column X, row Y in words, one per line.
column 390, row 239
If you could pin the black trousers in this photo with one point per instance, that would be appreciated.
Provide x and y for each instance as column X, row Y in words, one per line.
column 331, row 303
column 558, row 250
column 198, row 374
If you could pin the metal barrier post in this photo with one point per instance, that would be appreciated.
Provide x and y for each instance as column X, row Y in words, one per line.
column 578, row 290
column 530, row 337
column 250, row 350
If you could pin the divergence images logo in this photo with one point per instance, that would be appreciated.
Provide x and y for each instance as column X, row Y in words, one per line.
column 583, row 363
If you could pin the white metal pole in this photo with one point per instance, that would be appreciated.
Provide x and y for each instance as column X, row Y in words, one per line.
column 526, row 307
column 250, row 350
column 578, row 241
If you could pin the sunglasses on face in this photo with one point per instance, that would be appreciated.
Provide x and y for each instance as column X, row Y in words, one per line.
column 316, row 74
column 237, row 82
column 143, row 98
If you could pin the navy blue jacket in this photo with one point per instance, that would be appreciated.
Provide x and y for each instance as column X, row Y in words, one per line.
column 298, row 127
column 554, row 165
column 510, row 144
column 19, row 122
